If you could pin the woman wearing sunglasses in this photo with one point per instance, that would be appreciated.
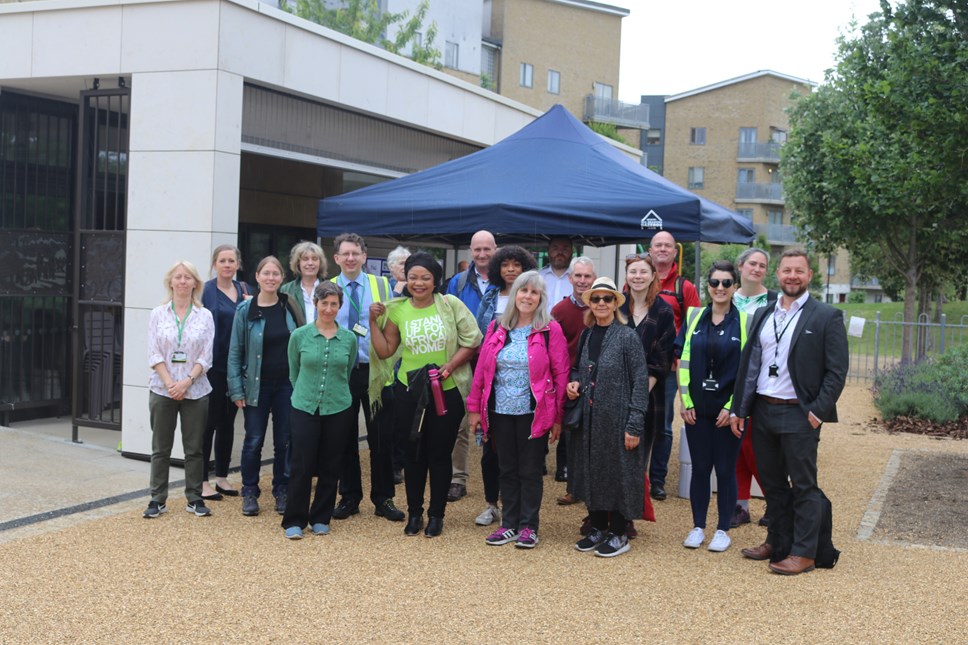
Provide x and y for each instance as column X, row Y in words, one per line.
column 652, row 319
column 613, row 383
column 710, row 341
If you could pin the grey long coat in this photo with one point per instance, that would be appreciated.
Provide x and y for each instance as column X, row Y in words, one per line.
column 607, row 476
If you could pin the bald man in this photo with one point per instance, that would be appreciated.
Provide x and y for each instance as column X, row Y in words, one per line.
column 469, row 286
column 680, row 294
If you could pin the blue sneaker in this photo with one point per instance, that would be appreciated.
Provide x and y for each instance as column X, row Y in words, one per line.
column 294, row 533
column 320, row 529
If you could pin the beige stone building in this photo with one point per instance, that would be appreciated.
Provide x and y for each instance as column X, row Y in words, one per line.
column 723, row 142
column 543, row 52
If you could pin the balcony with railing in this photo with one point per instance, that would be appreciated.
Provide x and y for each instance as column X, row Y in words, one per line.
column 624, row 115
column 758, row 152
column 771, row 193
column 777, row 233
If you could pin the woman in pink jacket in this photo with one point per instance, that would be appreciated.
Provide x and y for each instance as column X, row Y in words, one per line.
column 518, row 398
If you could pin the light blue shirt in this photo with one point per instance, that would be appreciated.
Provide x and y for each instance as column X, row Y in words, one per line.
column 343, row 317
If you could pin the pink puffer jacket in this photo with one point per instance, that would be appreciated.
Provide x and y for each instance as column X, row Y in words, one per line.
column 549, row 369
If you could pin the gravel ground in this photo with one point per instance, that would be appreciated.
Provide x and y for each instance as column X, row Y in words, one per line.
column 228, row 578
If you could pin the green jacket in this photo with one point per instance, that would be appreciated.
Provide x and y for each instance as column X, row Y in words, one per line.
column 293, row 290
column 245, row 348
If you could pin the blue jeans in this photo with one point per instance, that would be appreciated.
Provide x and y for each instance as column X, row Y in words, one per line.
column 662, row 448
column 274, row 397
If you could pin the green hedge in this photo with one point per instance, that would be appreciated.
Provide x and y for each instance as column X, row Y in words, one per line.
column 934, row 389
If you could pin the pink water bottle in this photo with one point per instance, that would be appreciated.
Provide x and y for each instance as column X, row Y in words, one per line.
column 438, row 391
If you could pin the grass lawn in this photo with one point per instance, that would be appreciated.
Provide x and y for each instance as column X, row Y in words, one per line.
column 888, row 351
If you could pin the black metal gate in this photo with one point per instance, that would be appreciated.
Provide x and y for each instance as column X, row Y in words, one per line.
column 99, row 248
column 37, row 138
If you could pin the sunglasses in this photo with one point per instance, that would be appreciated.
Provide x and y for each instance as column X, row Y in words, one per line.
column 637, row 256
column 597, row 299
column 714, row 283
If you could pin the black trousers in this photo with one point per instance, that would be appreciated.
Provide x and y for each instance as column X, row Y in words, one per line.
column 785, row 445
column 431, row 452
column 220, row 429
column 522, row 469
column 351, row 478
column 611, row 521
column 317, row 443
column 491, row 473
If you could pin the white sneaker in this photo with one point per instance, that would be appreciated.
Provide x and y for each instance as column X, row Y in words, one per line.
column 489, row 515
column 720, row 541
column 695, row 538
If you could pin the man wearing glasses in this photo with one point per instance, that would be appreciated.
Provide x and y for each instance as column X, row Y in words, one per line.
column 360, row 290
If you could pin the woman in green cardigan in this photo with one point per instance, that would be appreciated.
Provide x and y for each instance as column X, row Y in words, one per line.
column 321, row 357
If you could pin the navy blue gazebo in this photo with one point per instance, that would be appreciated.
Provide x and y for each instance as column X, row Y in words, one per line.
column 553, row 177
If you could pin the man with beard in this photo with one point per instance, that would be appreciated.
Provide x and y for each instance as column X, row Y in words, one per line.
column 791, row 374
column 556, row 273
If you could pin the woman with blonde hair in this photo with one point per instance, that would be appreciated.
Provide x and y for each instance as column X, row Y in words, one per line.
column 308, row 264
column 180, row 338
column 221, row 295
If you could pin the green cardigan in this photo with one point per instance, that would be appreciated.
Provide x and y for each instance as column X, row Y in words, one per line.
column 462, row 331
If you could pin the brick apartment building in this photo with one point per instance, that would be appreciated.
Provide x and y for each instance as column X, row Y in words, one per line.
column 723, row 142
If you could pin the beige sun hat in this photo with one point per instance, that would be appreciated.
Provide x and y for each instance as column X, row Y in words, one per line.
column 604, row 284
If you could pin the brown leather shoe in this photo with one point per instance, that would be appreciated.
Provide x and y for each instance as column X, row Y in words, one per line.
column 792, row 565
column 761, row 552
column 567, row 500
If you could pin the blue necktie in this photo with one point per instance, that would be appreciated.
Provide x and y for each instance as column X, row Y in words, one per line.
column 354, row 317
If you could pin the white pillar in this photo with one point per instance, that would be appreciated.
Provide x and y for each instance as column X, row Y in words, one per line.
column 183, row 199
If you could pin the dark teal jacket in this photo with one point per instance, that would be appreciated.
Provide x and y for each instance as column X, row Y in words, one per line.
column 245, row 349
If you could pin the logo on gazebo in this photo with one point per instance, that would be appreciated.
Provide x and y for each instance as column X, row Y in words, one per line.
column 652, row 221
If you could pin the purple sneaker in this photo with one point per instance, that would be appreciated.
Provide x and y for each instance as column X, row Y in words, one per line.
column 528, row 539
column 501, row 536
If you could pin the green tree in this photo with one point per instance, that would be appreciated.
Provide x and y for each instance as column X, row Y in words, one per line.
column 877, row 157
column 606, row 130
column 363, row 20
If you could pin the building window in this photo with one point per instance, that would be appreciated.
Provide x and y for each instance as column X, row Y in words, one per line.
column 746, row 176
column 777, row 135
column 696, row 176
column 603, row 91
column 554, row 82
column 774, row 217
column 653, row 137
column 697, row 136
column 831, row 264
column 747, row 135
column 451, row 54
column 527, row 75
column 488, row 67
column 745, row 212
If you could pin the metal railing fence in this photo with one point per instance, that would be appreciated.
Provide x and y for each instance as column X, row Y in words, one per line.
column 878, row 345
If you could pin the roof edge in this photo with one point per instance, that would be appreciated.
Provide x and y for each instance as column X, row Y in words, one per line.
column 740, row 79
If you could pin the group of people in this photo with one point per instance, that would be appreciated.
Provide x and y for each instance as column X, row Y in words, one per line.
column 497, row 354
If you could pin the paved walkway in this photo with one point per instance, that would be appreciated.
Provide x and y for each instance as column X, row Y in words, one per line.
column 107, row 575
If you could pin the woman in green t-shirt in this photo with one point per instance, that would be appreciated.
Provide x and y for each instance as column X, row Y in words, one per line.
column 436, row 331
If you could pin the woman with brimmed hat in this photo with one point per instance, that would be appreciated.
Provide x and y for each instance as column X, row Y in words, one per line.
column 612, row 381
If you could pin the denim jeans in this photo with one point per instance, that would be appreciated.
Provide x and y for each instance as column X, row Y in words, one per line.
column 274, row 397
column 662, row 448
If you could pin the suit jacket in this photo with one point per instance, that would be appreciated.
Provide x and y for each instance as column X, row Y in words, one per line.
column 818, row 360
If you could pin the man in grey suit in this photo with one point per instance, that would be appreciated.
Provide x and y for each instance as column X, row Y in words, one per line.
column 791, row 374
